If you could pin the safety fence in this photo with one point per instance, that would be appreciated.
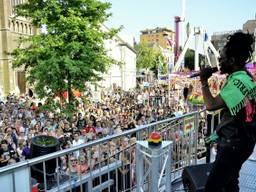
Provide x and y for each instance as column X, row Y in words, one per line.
column 107, row 164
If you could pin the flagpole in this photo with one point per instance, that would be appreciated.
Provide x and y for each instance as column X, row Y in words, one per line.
column 169, row 88
column 158, row 69
column 168, row 74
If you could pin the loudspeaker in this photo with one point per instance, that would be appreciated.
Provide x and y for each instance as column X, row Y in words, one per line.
column 194, row 177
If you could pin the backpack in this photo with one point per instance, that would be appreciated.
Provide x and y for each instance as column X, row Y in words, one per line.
column 250, row 121
column 250, row 107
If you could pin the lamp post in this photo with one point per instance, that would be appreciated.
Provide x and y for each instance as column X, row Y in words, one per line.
column 172, row 58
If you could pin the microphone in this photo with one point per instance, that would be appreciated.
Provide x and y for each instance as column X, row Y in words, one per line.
column 212, row 70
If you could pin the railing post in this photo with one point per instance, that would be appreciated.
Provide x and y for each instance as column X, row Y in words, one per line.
column 213, row 119
column 169, row 169
column 15, row 181
column 90, row 164
column 155, row 167
column 197, row 115
column 139, row 169
column 159, row 160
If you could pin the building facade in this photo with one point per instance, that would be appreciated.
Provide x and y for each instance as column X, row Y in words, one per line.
column 158, row 36
column 122, row 74
column 161, row 39
column 250, row 26
column 11, row 30
column 219, row 39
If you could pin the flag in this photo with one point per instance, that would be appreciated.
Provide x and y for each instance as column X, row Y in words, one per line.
column 160, row 65
column 170, row 42
column 189, row 125
column 170, row 66
column 205, row 37
column 188, row 29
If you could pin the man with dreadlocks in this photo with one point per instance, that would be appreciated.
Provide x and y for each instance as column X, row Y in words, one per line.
column 237, row 128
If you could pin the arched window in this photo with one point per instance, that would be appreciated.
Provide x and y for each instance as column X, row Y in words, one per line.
column 21, row 28
column 30, row 29
column 9, row 24
column 13, row 26
column 13, row 3
column 17, row 26
column 26, row 28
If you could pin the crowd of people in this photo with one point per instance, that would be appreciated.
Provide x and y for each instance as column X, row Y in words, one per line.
column 21, row 119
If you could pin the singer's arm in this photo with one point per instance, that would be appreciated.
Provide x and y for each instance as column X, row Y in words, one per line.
column 211, row 103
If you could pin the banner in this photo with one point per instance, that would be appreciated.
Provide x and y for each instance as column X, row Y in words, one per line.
column 189, row 124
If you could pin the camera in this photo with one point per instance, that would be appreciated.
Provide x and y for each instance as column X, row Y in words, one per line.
column 12, row 153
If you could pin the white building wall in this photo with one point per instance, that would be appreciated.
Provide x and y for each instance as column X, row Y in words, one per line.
column 122, row 74
column 129, row 69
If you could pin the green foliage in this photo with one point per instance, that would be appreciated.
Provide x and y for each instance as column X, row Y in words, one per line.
column 70, row 53
column 45, row 140
column 150, row 58
column 162, row 65
column 190, row 59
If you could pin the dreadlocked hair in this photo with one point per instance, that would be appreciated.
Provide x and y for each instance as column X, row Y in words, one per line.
column 240, row 46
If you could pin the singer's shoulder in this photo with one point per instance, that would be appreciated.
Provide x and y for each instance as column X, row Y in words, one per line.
column 240, row 78
column 240, row 75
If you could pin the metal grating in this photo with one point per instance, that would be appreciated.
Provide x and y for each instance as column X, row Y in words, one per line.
column 247, row 178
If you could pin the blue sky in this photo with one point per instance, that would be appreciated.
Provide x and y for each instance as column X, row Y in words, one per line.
column 213, row 15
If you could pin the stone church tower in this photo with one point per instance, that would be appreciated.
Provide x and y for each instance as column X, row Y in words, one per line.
column 11, row 30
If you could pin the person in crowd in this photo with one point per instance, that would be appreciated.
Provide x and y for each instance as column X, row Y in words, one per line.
column 83, row 166
column 124, row 173
column 63, row 165
column 72, row 168
column 77, row 141
column 81, row 123
column 26, row 151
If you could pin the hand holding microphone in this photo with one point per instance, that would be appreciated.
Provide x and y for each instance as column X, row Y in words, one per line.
column 205, row 74
column 208, row 70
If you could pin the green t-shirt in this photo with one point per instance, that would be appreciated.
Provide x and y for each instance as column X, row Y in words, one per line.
column 238, row 87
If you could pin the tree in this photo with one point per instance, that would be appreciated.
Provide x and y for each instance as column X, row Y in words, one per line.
column 190, row 59
column 70, row 53
column 150, row 58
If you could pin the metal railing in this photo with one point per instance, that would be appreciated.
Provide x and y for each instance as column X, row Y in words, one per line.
column 107, row 164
